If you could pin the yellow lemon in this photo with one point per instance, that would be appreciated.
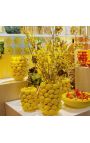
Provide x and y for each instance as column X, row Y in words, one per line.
column 25, row 100
column 56, row 86
column 57, row 92
column 46, row 107
column 41, row 98
column 47, row 100
column 51, row 91
column 43, row 91
column 54, row 101
column 46, row 95
column 54, row 107
column 23, row 96
column 51, row 96
column 53, row 112
column 48, row 87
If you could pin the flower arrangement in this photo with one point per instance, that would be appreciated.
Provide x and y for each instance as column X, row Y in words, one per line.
column 55, row 59
column 53, row 62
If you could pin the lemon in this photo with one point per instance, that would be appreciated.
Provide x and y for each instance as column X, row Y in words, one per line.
column 41, row 98
column 53, row 112
column 23, row 96
column 48, row 87
column 56, row 96
column 27, row 105
column 25, row 100
column 46, row 95
column 49, row 104
column 51, row 96
column 41, row 94
column 47, row 100
column 54, row 101
column 54, row 107
column 51, row 91
column 57, row 92
column 56, row 86
column 46, row 107
column 43, row 91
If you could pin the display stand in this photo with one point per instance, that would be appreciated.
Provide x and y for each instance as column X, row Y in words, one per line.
column 82, row 78
column 14, row 108
column 9, row 90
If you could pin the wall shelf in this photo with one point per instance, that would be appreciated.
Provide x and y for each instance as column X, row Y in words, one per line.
column 9, row 35
column 38, row 35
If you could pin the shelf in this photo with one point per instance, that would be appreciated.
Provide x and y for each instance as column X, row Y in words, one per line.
column 15, row 106
column 60, row 35
column 6, row 80
column 9, row 35
column 38, row 35
column 66, row 35
column 10, row 80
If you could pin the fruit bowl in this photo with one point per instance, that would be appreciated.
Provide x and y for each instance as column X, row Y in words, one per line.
column 75, row 102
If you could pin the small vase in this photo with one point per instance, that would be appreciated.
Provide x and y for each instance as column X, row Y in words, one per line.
column 29, row 99
column 19, row 67
column 49, row 98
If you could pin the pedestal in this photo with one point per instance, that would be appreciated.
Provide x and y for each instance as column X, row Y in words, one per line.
column 82, row 78
column 9, row 90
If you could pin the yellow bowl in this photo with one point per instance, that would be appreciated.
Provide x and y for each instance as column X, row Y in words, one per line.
column 75, row 103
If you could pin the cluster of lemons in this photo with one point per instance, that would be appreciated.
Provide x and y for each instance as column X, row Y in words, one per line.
column 19, row 66
column 29, row 98
column 46, row 98
column 49, row 98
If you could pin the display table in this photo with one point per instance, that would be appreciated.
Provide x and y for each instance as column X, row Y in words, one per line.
column 9, row 90
column 82, row 78
column 14, row 108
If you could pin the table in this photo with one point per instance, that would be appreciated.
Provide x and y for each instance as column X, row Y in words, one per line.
column 15, row 108
column 9, row 90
